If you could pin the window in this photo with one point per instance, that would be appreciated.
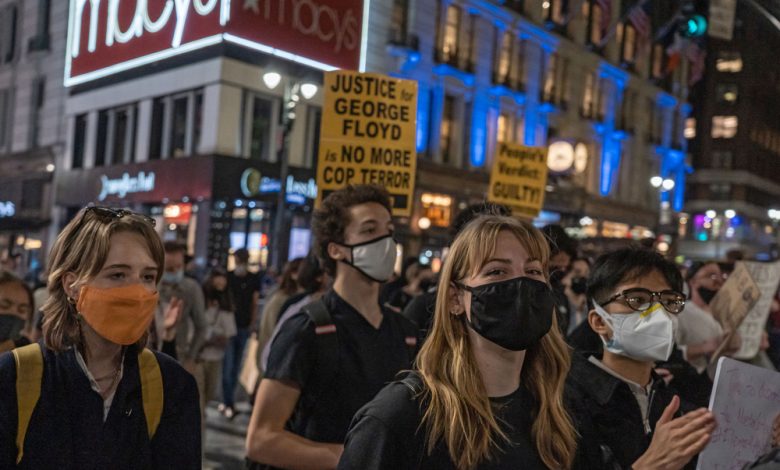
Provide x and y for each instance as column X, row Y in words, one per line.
column 603, row 97
column 448, row 44
column 398, row 21
column 727, row 92
column 176, row 125
column 722, row 159
column 656, row 121
column 628, row 47
column 468, row 60
column 690, row 128
column 516, row 66
column 36, row 111
column 79, row 139
column 588, row 95
column 556, row 10
column 115, row 143
column 8, row 32
column 260, row 121
column 597, row 22
column 503, row 57
column 729, row 61
column 627, row 111
column 515, row 5
column 41, row 39
column 447, row 124
column 657, row 70
column 504, row 128
column 5, row 118
column 548, row 90
column 724, row 127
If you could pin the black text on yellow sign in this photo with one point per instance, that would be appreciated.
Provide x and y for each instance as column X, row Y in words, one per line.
column 518, row 178
column 368, row 136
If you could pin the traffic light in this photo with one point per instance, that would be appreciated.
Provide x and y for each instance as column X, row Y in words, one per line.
column 693, row 22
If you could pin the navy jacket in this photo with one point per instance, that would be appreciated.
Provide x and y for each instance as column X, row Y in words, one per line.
column 67, row 431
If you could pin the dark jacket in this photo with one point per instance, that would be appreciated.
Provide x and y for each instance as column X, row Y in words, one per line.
column 67, row 431
column 607, row 415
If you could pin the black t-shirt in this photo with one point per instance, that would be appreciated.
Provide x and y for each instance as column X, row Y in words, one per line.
column 420, row 311
column 386, row 434
column 243, row 288
column 368, row 359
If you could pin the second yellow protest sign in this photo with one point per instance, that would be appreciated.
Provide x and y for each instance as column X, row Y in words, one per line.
column 518, row 178
column 368, row 136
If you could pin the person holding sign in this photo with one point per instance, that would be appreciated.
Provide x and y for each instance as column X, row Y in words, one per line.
column 333, row 357
column 626, row 415
column 488, row 393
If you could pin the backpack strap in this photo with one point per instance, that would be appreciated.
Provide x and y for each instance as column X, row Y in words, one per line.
column 326, row 343
column 151, row 390
column 29, row 374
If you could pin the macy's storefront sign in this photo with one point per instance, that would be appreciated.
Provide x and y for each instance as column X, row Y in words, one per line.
column 110, row 36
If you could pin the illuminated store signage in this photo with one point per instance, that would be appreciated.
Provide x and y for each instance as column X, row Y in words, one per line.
column 110, row 36
column 121, row 187
column 8, row 209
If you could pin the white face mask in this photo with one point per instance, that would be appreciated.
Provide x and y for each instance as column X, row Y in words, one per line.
column 643, row 336
column 375, row 258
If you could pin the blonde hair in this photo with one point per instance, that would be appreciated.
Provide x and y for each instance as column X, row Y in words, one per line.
column 458, row 409
column 82, row 249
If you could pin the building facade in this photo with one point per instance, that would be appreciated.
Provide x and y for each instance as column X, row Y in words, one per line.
column 594, row 81
column 171, row 112
column 32, row 131
column 734, row 193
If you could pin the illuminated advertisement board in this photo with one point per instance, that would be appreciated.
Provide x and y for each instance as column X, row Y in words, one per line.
column 110, row 36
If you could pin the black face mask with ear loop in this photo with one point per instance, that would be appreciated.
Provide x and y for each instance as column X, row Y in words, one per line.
column 515, row 314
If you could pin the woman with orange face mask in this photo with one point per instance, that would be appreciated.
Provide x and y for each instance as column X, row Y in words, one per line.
column 91, row 395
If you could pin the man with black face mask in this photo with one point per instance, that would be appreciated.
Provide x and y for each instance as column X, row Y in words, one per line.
column 699, row 334
column 301, row 415
column 563, row 249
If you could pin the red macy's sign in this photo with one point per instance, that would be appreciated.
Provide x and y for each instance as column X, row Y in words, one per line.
column 109, row 36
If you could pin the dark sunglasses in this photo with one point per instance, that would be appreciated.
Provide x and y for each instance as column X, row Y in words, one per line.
column 640, row 299
column 108, row 213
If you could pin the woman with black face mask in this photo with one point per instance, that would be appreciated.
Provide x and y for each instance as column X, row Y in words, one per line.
column 489, row 385
column 699, row 334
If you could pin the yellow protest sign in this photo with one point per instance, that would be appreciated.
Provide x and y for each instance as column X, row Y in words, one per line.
column 518, row 178
column 368, row 135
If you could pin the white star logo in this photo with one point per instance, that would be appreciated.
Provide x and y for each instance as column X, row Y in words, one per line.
column 252, row 5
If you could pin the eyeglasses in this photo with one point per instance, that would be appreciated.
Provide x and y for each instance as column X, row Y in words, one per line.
column 111, row 213
column 640, row 299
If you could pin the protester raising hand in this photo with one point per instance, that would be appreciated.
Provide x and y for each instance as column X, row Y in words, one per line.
column 171, row 315
column 676, row 441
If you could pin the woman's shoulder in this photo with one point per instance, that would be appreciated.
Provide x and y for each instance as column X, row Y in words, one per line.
column 173, row 373
column 399, row 404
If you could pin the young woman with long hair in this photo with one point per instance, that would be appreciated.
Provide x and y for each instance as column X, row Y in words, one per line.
column 490, row 379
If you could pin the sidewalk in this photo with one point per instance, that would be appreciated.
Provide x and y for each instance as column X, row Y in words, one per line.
column 225, row 438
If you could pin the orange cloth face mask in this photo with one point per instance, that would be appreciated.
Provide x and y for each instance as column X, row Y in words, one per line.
column 118, row 314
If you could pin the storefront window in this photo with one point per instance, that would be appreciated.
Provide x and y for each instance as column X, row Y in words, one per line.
column 314, row 118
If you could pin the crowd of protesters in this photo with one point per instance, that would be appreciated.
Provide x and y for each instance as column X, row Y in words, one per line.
column 520, row 352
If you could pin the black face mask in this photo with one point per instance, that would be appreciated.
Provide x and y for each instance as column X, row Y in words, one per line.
column 579, row 285
column 427, row 284
column 515, row 314
column 706, row 294
column 10, row 326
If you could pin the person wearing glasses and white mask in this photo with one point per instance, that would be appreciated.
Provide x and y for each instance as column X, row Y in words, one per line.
column 626, row 415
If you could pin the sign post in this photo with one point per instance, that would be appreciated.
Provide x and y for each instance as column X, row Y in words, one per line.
column 518, row 178
column 368, row 136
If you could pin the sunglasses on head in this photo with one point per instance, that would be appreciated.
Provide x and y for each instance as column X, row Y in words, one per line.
column 108, row 213
column 640, row 299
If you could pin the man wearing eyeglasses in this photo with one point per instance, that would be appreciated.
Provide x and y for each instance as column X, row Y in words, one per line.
column 626, row 414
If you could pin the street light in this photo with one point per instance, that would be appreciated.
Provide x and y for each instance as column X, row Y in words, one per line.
column 711, row 214
column 668, row 184
column 293, row 90
column 656, row 181
column 730, row 213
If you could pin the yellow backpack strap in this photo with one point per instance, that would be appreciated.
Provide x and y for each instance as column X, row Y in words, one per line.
column 151, row 390
column 29, row 374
